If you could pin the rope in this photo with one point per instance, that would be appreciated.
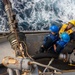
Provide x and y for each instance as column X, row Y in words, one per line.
column 27, row 50
column 45, row 66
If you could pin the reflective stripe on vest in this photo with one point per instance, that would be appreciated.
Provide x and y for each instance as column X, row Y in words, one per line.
column 63, row 29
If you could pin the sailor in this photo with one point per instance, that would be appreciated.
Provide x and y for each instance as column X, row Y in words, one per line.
column 61, row 43
column 50, row 39
column 69, row 28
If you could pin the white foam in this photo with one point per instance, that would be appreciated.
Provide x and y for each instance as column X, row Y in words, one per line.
column 56, row 10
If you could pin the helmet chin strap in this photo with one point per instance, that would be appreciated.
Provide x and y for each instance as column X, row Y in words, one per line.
column 71, row 25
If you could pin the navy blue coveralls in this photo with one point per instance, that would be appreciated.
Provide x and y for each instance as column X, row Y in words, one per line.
column 49, row 40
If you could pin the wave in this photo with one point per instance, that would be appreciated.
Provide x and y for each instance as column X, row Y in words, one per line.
column 38, row 14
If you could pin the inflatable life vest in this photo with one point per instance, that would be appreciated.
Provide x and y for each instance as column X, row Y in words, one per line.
column 63, row 29
column 61, row 43
column 50, row 36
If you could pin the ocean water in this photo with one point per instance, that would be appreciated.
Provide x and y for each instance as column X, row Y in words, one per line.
column 38, row 14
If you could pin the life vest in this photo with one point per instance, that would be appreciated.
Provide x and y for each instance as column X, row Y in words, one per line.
column 61, row 43
column 51, row 37
column 63, row 29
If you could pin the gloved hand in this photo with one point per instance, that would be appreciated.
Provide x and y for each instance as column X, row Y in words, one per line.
column 42, row 49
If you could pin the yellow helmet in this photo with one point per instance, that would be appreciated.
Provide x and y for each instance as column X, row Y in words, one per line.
column 72, row 21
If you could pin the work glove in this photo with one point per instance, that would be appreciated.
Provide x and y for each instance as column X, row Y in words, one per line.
column 42, row 49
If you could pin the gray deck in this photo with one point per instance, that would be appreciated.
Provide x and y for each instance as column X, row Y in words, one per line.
column 33, row 41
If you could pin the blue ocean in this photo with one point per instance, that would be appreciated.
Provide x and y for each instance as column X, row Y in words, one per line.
column 38, row 14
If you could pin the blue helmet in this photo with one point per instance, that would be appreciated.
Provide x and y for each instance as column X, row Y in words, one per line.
column 54, row 29
column 65, row 37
